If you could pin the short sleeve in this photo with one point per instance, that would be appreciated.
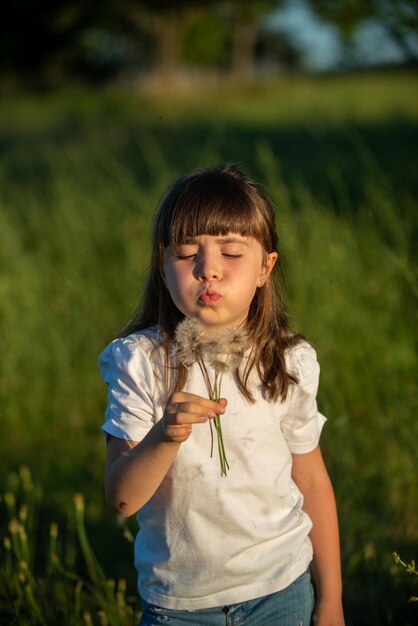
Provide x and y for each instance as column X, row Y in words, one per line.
column 127, row 370
column 302, row 423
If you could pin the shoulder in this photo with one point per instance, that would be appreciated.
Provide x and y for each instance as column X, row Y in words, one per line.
column 128, row 354
column 301, row 354
column 302, row 361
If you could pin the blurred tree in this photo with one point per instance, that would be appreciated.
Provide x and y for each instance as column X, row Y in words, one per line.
column 207, row 41
column 166, row 22
column 246, row 18
column 276, row 53
column 398, row 17
column 200, row 33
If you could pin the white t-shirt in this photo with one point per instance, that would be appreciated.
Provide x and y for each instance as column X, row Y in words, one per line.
column 204, row 539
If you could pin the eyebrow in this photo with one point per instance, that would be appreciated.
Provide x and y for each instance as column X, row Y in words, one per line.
column 193, row 240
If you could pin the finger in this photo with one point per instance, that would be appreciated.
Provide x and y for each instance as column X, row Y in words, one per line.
column 177, row 430
column 204, row 406
column 178, row 419
column 185, row 396
column 176, row 433
column 192, row 418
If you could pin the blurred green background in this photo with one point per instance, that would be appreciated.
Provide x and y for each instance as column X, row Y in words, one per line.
column 86, row 152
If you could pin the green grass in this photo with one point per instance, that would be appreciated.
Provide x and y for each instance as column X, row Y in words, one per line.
column 80, row 176
column 43, row 589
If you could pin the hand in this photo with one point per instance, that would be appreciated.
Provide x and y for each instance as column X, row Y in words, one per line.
column 326, row 614
column 185, row 409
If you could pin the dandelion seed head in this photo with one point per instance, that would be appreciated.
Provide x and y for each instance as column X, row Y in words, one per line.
column 223, row 353
column 236, row 340
column 219, row 363
column 210, row 348
column 235, row 360
column 188, row 340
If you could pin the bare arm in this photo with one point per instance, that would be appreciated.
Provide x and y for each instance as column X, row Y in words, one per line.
column 311, row 476
column 135, row 470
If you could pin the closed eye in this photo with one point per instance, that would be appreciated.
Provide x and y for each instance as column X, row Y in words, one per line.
column 185, row 256
column 232, row 256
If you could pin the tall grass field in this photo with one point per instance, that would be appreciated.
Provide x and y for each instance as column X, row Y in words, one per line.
column 80, row 175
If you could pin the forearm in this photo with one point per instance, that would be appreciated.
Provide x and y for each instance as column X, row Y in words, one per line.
column 312, row 478
column 134, row 472
column 133, row 476
column 320, row 505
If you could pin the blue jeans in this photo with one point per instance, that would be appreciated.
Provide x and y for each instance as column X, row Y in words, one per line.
column 292, row 606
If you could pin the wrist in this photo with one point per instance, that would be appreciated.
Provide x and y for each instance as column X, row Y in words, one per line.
column 329, row 612
column 328, row 588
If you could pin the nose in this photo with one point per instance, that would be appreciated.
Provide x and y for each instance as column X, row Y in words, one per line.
column 208, row 266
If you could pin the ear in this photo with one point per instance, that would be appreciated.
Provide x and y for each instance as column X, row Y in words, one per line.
column 268, row 264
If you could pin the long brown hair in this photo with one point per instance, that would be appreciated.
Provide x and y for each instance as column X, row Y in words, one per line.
column 217, row 201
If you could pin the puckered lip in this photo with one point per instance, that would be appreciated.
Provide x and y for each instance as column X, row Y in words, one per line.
column 209, row 295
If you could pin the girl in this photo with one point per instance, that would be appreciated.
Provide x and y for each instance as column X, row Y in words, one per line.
column 214, row 549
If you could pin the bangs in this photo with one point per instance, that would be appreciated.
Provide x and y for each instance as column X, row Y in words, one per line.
column 215, row 204
column 212, row 218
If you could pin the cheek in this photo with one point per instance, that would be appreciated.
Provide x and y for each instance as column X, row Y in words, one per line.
column 174, row 280
column 252, row 278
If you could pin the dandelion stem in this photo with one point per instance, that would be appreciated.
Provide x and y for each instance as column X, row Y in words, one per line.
column 223, row 354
